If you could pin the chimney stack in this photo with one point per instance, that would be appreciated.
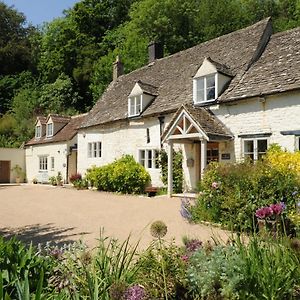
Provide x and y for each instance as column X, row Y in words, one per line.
column 118, row 68
column 155, row 51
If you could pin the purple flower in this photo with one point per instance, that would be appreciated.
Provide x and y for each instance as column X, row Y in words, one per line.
column 264, row 212
column 294, row 193
column 135, row 292
column 193, row 245
column 184, row 210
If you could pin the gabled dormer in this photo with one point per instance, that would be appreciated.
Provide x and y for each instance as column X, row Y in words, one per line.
column 54, row 123
column 140, row 98
column 210, row 81
column 40, row 127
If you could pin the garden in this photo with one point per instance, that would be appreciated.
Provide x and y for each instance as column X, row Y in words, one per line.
column 258, row 202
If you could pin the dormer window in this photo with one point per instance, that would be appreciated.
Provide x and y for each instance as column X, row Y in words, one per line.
column 206, row 88
column 38, row 131
column 210, row 81
column 134, row 105
column 49, row 130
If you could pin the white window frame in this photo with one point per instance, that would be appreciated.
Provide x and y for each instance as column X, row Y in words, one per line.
column 255, row 147
column 148, row 158
column 135, row 102
column 205, row 88
column 48, row 131
column 43, row 163
column 297, row 143
column 94, row 149
column 38, row 131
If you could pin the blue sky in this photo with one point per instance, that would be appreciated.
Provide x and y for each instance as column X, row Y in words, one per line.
column 39, row 11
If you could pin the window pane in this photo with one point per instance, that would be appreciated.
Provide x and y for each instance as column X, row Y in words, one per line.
column 210, row 94
column 200, row 90
column 156, row 159
column 132, row 106
column 142, row 157
column 210, row 87
column 149, row 158
column 248, row 147
column 262, row 146
column 99, row 149
column 251, row 156
column 95, row 149
column 138, row 104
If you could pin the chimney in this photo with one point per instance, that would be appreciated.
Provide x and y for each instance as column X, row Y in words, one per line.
column 155, row 51
column 117, row 68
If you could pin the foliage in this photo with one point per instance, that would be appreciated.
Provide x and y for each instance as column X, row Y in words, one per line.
column 22, row 270
column 76, row 176
column 163, row 271
column 231, row 193
column 124, row 175
column 242, row 271
column 177, row 169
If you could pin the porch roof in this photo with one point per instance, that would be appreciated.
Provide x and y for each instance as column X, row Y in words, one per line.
column 206, row 122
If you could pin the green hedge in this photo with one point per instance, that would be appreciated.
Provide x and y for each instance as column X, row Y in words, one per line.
column 124, row 175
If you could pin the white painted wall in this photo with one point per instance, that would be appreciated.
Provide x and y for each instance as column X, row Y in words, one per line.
column 16, row 157
column 120, row 138
column 57, row 150
column 274, row 114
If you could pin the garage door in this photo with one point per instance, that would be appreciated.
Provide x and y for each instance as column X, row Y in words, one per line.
column 4, row 171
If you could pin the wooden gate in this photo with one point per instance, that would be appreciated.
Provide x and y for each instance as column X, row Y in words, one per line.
column 4, row 171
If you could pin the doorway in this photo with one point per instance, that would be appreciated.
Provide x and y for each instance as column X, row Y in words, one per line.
column 4, row 171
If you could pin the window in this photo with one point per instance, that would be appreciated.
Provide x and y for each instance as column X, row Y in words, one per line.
column 134, row 105
column 297, row 143
column 94, row 149
column 43, row 163
column 149, row 158
column 205, row 88
column 255, row 148
column 38, row 132
column 49, row 129
column 52, row 163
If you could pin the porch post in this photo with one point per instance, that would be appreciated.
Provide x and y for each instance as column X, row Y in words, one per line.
column 170, row 168
column 203, row 156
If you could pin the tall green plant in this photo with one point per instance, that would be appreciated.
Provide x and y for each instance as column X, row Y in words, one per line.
column 177, row 169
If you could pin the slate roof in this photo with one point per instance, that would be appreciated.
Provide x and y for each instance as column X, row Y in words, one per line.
column 277, row 70
column 173, row 74
column 65, row 134
column 221, row 68
column 205, row 119
column 58, row 118
column 148, row 88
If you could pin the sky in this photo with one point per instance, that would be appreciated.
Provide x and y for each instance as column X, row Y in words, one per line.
column 39, row 11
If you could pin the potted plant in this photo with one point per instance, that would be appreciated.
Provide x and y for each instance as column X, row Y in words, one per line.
column 20, row 175
column 59, row 179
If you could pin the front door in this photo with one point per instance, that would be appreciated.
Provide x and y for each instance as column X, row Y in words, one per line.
column 4, row 171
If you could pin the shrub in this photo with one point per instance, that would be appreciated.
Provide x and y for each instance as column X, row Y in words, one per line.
column 124, row 175
column 245, row 271
column 231, row 193
column 75, row 177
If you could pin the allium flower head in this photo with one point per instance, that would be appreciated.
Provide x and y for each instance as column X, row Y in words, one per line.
column 135, row 292
column 117, row 290
column 158, row 229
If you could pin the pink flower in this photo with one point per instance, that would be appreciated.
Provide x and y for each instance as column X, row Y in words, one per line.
column 277, row 208
column 185, row 258
column 215, row 185
column 264, row 212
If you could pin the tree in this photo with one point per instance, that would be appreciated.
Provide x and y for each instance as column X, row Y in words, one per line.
column 15, row 52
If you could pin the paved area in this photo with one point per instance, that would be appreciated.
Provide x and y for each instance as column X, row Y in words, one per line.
column 41, row 213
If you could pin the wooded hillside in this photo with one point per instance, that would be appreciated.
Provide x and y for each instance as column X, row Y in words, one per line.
column 64, row 66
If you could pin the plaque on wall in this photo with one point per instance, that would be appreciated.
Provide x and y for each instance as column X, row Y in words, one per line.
column 225, row 156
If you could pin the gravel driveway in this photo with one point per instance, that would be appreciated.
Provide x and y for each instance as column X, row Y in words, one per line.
column 41, row 213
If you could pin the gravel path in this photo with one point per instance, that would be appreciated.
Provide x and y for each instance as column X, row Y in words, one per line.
column 41, row 213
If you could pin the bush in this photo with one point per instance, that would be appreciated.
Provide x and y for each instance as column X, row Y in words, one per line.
column 231, row 193
column 245, row 271
column 124, row 175
column 75, row 177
